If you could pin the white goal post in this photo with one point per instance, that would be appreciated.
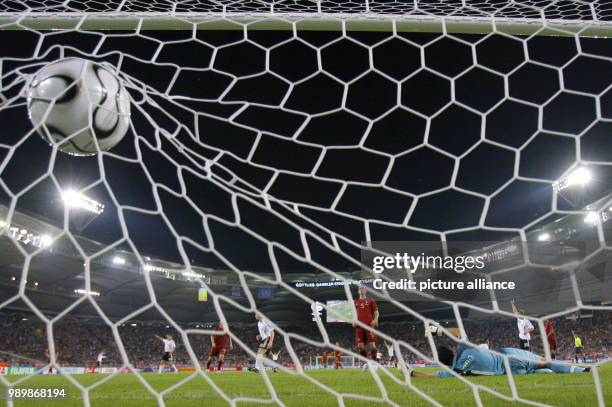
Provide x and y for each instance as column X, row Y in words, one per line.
column 323, row 21
column 466, row 17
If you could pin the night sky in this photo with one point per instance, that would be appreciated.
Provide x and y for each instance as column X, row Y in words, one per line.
column 268, row 109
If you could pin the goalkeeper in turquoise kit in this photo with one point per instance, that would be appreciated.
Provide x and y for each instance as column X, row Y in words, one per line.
column 473, row 360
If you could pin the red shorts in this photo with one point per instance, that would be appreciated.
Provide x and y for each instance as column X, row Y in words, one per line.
column 552, row 344
column 217, row 352
column 364, row 336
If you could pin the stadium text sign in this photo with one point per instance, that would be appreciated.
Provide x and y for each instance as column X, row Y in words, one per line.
column 333, row 283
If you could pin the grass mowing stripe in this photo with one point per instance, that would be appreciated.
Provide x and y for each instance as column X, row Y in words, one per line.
column 124, row 390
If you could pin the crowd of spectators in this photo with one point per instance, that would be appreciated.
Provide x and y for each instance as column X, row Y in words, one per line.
column 77, row 342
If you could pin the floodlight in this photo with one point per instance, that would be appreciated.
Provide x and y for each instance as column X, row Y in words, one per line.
column 45, row 241
column 591, row 218
column 543, row 237
column 191, row 274
column 84, row 292
column 118, row 260
column 580, row 176
column 74, row 199
column 150, row 267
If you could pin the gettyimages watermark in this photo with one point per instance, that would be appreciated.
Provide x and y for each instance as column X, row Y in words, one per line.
column 412, row 263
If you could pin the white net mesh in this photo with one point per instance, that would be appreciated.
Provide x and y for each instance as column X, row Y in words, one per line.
column 263, row 160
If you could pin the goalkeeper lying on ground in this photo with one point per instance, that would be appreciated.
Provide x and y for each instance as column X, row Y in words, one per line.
column 473, row 360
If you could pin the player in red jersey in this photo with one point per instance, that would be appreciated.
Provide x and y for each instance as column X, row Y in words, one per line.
column 552, row 339
column 324, row 359
column 219, row 343
column 337, row 358
column 367, row 314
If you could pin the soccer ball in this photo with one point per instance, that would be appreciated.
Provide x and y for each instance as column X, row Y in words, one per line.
column 75, row 102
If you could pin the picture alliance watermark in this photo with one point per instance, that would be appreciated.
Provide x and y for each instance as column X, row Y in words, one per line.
column 429, row 284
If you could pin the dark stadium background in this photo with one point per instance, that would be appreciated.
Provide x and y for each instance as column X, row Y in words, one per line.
column 484, row 170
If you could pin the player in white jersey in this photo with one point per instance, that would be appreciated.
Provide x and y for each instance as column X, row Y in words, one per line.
column 167, row 359
column 525, row 327
column 265, row 339
column 391, row 353
column 101, row 356
column 275, row 360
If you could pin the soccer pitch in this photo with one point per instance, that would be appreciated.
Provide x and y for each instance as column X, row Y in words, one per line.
column 125, row 390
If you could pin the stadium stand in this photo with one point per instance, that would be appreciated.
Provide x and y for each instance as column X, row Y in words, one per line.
column 78, row 341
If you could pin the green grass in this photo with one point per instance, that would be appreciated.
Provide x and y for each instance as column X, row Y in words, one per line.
column 125, row 390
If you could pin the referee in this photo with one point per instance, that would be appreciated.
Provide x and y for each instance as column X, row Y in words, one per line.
column 577, row 346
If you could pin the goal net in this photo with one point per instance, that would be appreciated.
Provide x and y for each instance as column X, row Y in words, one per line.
column 275, row 150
